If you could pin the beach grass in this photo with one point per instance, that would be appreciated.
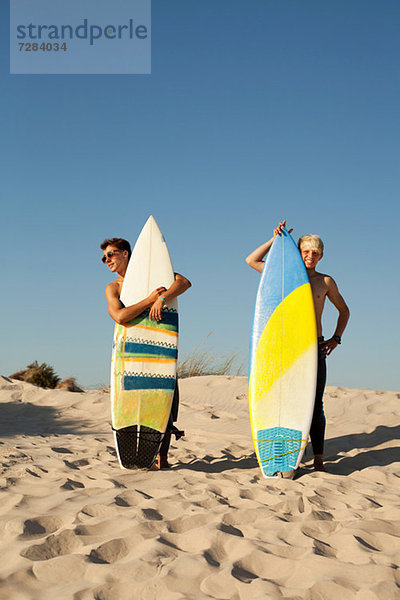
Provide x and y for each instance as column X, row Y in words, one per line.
column 204, row 362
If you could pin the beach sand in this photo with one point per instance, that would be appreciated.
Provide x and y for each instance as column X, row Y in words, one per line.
column 75, row 526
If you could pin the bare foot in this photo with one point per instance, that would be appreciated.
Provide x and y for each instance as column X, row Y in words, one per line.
column 319, row 463
column 161, row 463
column 288, row 474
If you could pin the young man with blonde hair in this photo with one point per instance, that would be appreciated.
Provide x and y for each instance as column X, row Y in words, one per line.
column 323, row 286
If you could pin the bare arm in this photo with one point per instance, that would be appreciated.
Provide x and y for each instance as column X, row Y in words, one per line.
column 180, row 285
column 122, row 314
column 344, row 314
column 255, row 259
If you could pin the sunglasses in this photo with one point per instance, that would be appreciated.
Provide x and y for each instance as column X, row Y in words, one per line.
column 109, row 254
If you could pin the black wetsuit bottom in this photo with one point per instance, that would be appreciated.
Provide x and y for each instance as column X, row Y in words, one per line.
column 172, row 417
column 317, row 431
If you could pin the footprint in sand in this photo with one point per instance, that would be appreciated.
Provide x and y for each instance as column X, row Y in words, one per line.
column 131, row 498
column 322, row 515
column 182, row 525
column 366, row 544
column 151, row 514
column 36, row 471
column 230, row 529
column 323, row 549
column 42, row 525
column 159, row 557
column 97, row 510
column 55, row 545
column 77, row 464
column 314, row 530
column 242, row 574
column 291, row 507
column 264, row 565
column 110, row 552
column 208, row 556
column 70, row 484
column 62, row 450
column 216, row 554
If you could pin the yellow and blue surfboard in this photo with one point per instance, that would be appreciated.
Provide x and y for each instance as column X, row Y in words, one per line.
column 283, row 360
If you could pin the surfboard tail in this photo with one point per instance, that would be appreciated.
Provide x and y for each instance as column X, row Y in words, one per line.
column 279, row 449
column 137, row 446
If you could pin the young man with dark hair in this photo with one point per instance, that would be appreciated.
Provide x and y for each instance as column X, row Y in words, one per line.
column 116, row 254
column 323, row 286
column 116, row 243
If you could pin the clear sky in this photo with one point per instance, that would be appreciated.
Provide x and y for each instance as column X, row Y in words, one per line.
column 255, row 111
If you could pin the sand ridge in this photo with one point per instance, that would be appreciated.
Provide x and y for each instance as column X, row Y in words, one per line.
column 75, row 526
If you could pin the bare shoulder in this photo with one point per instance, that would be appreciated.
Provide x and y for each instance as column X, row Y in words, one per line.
column 112, row 290
column 329, row 281
column 331, row 286
column 181, row 278
column 333, row 292
column 320, row 281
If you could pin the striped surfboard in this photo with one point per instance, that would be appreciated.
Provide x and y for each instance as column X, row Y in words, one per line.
column 283, row 360
column 144, row 358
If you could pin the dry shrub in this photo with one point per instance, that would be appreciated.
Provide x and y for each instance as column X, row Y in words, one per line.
column 70, row 385
column 41, row 375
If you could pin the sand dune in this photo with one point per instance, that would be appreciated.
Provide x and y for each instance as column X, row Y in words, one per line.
column 75, row 526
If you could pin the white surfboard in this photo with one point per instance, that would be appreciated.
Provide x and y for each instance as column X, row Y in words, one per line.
column 143, row 366
column 149, row 267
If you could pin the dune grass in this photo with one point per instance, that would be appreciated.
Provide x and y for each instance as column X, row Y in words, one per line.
column 205, row 363
column 201, row 361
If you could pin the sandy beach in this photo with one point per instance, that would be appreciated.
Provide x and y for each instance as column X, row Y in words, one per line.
column 76, row 526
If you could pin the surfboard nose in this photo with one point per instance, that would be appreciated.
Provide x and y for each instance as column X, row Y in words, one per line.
column 150, row 220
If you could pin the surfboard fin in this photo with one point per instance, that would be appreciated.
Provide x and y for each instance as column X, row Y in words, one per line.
column 178, row 433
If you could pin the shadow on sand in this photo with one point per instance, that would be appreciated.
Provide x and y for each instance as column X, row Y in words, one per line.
column 29, row 419
column 368, row 455
column 212, row 464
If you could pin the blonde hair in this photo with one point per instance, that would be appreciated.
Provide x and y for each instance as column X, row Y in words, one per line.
column 312, row 240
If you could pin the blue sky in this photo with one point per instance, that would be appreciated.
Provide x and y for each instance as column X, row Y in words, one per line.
column 255, row 111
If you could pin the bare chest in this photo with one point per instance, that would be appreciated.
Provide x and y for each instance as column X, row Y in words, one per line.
column 319, row 288
column 319, row 292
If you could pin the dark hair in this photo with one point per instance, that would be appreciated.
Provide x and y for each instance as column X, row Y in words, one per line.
column 118, row 243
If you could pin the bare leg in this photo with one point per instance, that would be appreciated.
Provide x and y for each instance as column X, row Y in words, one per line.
column 162, row 462
column 319, row 463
